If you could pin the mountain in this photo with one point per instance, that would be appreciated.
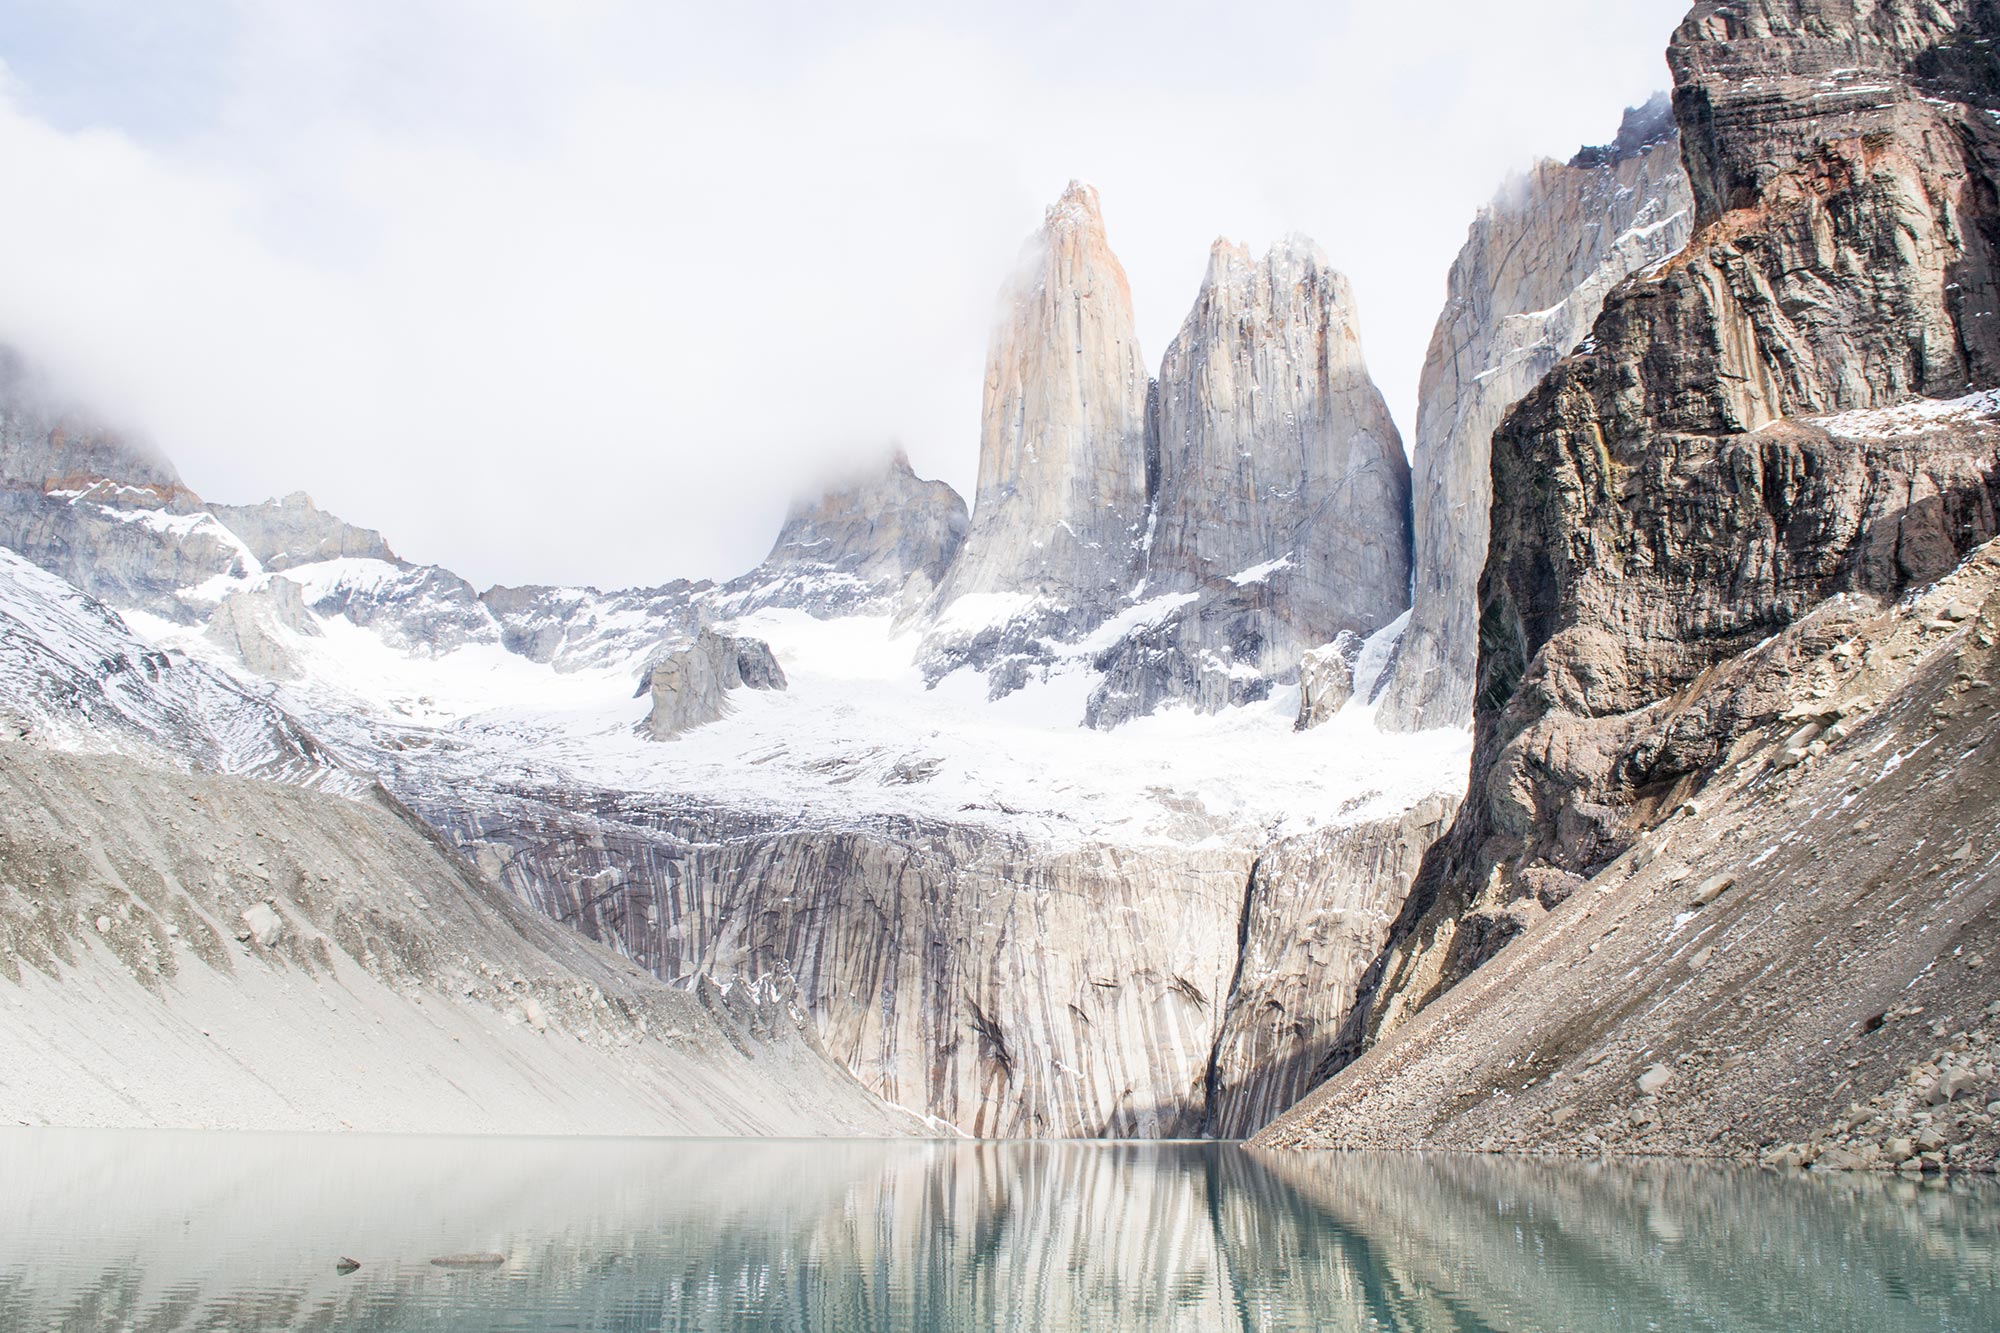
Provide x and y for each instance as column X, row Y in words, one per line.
column 1061, row 507
column 987, row 912
column 207, row 920
column 1279, row 521
column 74, row 677
column 873, row 541
column 294, row 531
column 1524, row 292
column 1184, row 541
column 1735, row 672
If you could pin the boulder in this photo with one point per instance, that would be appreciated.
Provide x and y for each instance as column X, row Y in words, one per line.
column 690, row 681
column 1326, row 681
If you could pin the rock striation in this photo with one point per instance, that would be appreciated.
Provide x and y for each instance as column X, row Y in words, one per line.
column 1752, row 430
column 1283, row 494
column 1524, row 292
column 981, row 976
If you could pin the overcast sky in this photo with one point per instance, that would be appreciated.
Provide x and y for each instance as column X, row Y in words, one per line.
column 586, row 290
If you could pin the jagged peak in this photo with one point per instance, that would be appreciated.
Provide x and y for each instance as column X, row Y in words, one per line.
column 1077, row 206
column 1292, row 258
column 1644, row 128
column 872, row 489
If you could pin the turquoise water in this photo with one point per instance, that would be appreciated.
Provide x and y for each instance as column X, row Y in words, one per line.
column 159, row 1231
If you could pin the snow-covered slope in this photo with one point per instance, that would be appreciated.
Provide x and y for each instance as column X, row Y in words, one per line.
column 73, row 676
column 858, row 734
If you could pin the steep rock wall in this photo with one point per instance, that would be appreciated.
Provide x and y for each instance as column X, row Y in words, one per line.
column 985, row 978
column 1283, row 493
column 1524, row 292
column 1656, row 513
column 1061, row 506
column 1795, row 967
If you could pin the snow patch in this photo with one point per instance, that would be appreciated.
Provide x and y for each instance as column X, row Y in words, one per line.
column 1260, row 573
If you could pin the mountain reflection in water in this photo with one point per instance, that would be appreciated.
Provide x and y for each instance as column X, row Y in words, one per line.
column 166, row 1231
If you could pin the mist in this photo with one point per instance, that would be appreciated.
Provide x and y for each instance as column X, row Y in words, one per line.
column 587, row 292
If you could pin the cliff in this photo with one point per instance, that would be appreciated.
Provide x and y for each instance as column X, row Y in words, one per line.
column 1755, row 437
column 1061, row 507
column 1524, row 292
column 1283, row 495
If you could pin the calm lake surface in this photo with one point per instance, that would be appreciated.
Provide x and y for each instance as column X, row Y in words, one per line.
column 160, row 1231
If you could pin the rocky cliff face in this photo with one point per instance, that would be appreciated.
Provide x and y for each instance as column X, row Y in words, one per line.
column 1059, row 517
column 1524, row 293
column 1796, row 966
column 1007, row 986
column 49, row 444
column 101, row 509
column 1676, row 494
column 294, row 531
column 250, row 626
column 869, row 544
column 1318, row 909
column 691, row 682
column 1189, row 541
column 1276, row 446
column 1061, row 505
column 1283, row 494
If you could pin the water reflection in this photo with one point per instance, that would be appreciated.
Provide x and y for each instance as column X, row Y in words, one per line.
column 187, row 1231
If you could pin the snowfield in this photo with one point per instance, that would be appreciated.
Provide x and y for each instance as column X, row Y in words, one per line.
column 856, row 735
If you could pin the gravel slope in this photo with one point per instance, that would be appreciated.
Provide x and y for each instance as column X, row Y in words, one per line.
column 209, row 952
column 1822, row 1005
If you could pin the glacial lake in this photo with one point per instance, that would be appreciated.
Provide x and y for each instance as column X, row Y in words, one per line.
column 169, row 1231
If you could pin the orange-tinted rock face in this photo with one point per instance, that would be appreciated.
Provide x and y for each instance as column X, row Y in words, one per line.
column 1061, row 505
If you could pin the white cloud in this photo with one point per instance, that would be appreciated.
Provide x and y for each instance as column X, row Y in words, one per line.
column 585, row 292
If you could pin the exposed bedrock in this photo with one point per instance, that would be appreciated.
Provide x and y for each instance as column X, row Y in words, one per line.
column 1317, row 912
column 1533, row 277
column 870, row 543
column 980, row 976
column 1796, row 966
column 690, row 683
column 1704, row 473
column 49, row 443
column 1282, row 507
column 1061, row 507
column 294, row 531
column 1326, row 681
column 247, row 624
